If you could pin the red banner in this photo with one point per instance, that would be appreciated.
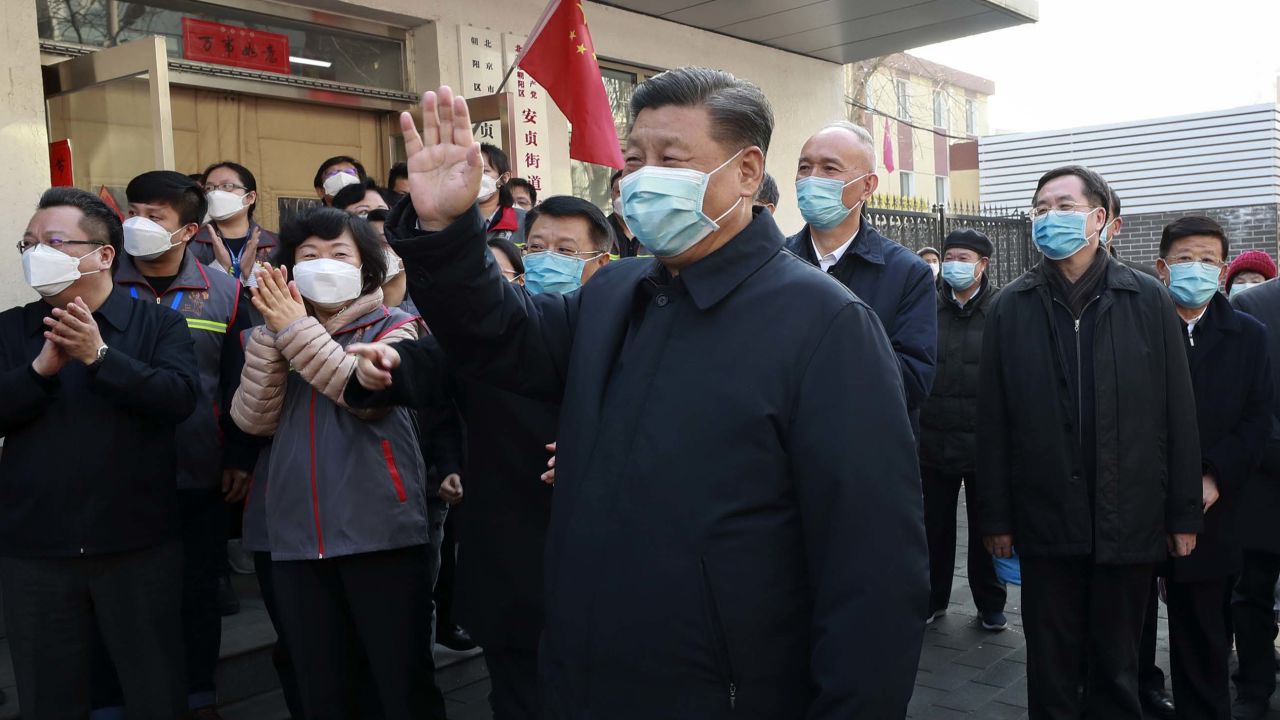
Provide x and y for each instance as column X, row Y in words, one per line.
column 60, row 171
column 240, row 47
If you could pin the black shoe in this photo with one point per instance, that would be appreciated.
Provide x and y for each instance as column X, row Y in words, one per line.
column 1157, row 704
column 455, row 638
column 228, row 603
column 1246, row 710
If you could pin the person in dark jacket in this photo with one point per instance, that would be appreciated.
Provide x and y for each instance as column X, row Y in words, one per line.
column 714, row 546
column 1253, row 617
column 948, row 421
column 505, row 220
column 232, row 241
column 1231, row 374
column 505, row 509
column 767, row 196
column 625, row 243
column 94, row 384
column 1087, row 449
column 834, row 178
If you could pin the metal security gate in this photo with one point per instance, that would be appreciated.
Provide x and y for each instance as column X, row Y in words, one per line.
column 916, row 225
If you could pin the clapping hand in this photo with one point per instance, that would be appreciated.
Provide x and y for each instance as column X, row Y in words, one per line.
column 74, row 331
column 277, row 298
column 444, row 162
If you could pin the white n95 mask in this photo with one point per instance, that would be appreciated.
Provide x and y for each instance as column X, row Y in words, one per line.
column 327, row 282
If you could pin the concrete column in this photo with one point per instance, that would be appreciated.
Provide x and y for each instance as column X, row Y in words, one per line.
column 23, row 136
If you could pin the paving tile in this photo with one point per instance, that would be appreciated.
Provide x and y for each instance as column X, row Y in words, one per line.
column 1002, row 674
column 969, row 697
column 983, row 656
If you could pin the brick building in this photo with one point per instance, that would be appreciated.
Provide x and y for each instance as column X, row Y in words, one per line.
column 1224, row 164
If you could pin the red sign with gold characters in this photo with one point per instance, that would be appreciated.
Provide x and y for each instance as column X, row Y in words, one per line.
column 240, row 47
column 60, row 169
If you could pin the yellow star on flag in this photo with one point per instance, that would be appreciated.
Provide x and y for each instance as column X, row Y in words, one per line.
column 573, row 34
column 582, row 49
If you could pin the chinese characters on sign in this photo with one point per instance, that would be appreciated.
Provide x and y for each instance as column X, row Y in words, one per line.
column 241, row 47
column 60, row 168
column 531, row 157
column 482, row 70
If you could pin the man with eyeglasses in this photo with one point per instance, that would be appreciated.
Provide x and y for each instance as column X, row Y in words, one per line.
column 1231, row 374
column 1088, row 451
column 94, row 384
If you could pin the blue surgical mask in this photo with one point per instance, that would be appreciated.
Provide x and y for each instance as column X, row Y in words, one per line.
column 1060, row 233
column 1104, row 236
column 1240, row 287
column 821, row 200
column 1193, row 284
column 552, row 272
column 959, row 275
column 663, row 207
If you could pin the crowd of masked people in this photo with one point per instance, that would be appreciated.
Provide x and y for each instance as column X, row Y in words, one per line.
column 651, row 460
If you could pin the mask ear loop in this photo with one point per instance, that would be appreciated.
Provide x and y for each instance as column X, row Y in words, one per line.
column 716, row 222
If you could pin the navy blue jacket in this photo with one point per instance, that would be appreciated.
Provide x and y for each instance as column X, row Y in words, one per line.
column 1260, row 501
column 737, row 527
column 900, row 287
column 1231, row 374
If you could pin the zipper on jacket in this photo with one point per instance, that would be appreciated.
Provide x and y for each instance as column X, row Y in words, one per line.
column 721, row 641
column 1079, row 366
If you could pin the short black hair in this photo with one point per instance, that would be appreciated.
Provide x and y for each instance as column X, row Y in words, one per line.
column 329, row 223
column 166, row 187
column 517, row 182
column 508, row 248
column 247, row 179
column 740, row 113
column 1113, row 207
column 398, row 171
column 352, row 194
column 100, row 223
column 1192, row 225
column 767, row 193
column 565, row 206
column 617, row 174
column 497, row 159
column 1096, row 190
column 338, row 160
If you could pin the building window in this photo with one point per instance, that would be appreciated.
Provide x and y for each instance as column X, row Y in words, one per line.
column 971, row 116
column 591, row 182
column 908, row 180
column 939, row 109
column 903, row 87
column 317, row 52
column 941, row 189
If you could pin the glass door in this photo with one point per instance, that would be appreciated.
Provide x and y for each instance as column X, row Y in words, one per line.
column 113, row 107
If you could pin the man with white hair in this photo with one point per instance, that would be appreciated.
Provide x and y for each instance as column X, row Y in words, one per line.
column 834, row 178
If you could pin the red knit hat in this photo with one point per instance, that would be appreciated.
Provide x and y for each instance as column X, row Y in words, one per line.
column 1251, row 261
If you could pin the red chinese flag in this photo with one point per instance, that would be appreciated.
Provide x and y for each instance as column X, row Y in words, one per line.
column 105, row 195
column 888, row 148
column 560, row 56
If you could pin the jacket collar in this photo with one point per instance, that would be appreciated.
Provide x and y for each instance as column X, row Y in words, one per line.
column 1219, row 316
column 867, row 244
column 1117, row 277
column 265, row 239
column 946, row 297
column 116, row 310
column 191, row 274
column 362, row 312
column 712, row 278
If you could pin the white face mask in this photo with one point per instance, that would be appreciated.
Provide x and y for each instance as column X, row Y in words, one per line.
column 488, row 186
column 51, row 271
column 327, row 282
column 147, row 239
column 335, row 182
column 223, row 204
column 394, row 266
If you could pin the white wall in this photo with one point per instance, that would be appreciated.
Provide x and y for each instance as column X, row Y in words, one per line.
column 22, row 135
column 806, row 94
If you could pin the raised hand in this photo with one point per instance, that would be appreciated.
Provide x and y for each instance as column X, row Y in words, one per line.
column 277, row 298
column 221, row 255
column 74, row 330
column 444, row 161
column 51, row 360
column 249, row 256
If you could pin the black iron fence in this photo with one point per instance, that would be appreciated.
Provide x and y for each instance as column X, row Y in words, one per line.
column 916, row 224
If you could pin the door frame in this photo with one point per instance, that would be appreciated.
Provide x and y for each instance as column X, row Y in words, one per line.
column 145, row 56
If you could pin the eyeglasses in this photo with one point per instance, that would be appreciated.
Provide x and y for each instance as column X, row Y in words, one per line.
column 584, row 254
column 56, row 243
column 1041, row 211
column 1183, row 259
column 225, row 187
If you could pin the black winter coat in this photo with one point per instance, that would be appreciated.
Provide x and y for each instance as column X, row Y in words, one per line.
column 1147, row 473
column 949, row 418
column 1260, row 501
column 731, row 535
column 1231, row 374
